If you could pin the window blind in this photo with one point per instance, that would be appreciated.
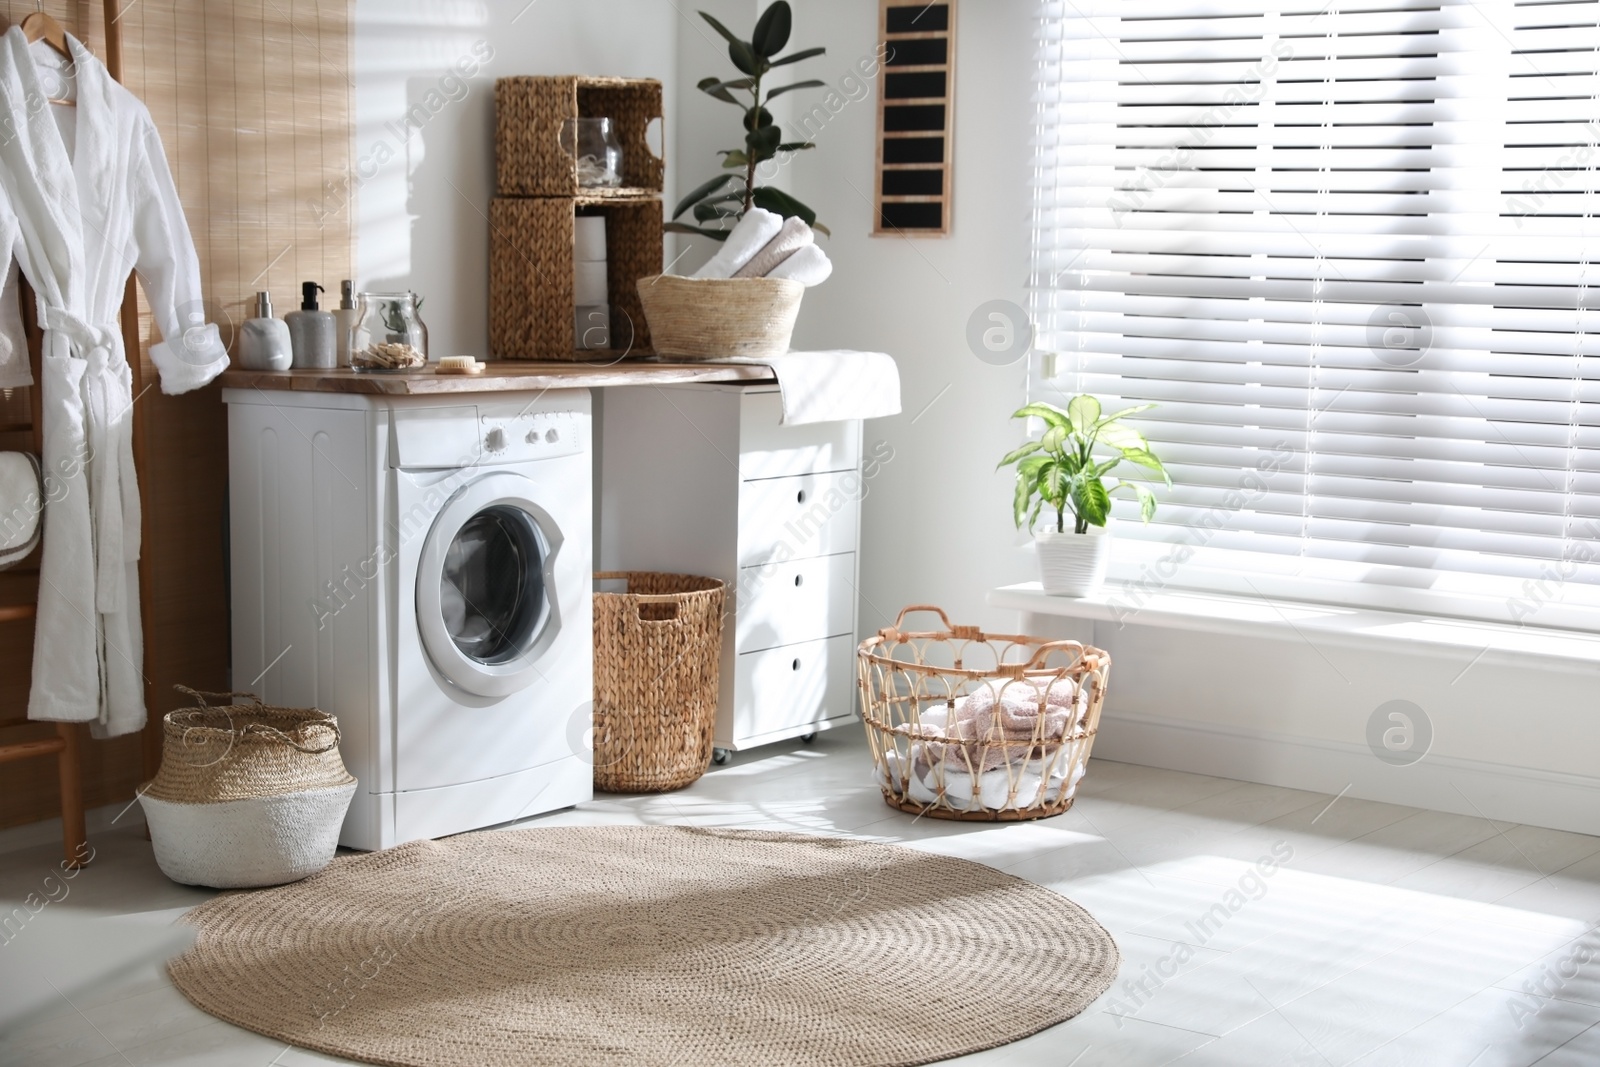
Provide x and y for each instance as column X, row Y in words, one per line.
column 1349, row 250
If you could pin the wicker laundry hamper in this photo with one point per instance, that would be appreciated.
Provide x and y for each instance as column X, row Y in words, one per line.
column 248, row 794
column 657, row 654
column 711, row 318
column 968, row 725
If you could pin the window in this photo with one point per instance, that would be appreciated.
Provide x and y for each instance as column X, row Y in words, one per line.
column 1347, row 249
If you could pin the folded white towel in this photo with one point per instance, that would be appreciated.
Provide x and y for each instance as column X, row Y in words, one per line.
column 21, row 506
column 794, row 236
column 808, row 266
column 746, row 239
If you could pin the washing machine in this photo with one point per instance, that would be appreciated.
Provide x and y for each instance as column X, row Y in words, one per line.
column 420, row 567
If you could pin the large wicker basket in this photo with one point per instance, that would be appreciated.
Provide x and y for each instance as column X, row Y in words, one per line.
column 248, row 794
column 968, row 725
column 709, row 318
column 657, row 655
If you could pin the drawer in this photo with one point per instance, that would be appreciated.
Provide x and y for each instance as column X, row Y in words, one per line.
column 793, row 685
column 769, row 449
column 796, row 518
column 800, row 600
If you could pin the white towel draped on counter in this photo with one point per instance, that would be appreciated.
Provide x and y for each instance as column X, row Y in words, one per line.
column 835, row 385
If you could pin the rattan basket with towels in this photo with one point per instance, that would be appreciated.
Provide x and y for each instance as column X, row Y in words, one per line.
column 968, row 725
column 708, row 318
column 657, row 654
column 248, row 794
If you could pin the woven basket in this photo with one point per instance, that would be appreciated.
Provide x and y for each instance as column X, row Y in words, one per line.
column 248, row 794
column 529, row 111
column 657, row 653
column 709, row 318
column 968, row 725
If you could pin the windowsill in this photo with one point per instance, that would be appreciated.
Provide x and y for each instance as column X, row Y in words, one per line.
column 1291, row 620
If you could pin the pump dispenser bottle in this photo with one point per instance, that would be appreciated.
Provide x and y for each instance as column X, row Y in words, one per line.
column 346, row 319
column 312, row 332
column 264, row 340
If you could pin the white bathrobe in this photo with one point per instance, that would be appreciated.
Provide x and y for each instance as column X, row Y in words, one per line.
column 80, row 208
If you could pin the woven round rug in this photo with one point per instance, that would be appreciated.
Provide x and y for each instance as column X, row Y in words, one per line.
column 638, row 945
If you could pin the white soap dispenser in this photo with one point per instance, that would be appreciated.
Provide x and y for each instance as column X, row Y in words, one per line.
column 264, row 340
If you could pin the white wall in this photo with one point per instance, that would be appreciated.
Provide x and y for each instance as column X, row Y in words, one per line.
column 937, row 522
column 423, row 200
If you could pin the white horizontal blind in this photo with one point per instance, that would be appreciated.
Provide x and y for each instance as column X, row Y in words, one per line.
column 1347, row 249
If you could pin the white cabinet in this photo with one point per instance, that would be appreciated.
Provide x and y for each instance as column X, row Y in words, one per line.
column 706, row 480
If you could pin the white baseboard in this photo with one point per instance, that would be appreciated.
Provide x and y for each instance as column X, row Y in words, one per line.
column 1443, row 783
column 48, row 832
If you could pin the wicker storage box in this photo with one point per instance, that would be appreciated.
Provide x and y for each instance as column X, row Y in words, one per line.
column 530, row 275
column 968, row 725
column 247, row 794
column 657, row 652
column 708, row 318
column 529, row 111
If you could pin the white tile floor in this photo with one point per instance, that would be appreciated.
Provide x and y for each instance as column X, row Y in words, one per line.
column 1389, row 936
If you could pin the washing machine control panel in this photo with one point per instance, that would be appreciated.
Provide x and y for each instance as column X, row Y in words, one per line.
column 530, row 435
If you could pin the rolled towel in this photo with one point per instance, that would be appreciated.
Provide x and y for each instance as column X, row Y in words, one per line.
column 794, row 236
column 746, row 239
column 808, row 266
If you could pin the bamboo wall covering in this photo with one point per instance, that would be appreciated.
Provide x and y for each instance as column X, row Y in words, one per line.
column 253, row 103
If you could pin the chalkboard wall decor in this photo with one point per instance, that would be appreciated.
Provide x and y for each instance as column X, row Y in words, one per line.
column 916, row 119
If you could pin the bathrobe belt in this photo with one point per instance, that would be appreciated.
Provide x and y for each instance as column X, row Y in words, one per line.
column 103, row 404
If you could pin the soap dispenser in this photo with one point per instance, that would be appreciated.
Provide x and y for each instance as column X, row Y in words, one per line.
column 347, row 319
column 264, row 340
column 311, row 332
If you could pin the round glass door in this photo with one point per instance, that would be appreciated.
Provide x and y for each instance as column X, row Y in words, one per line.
column 486, row 601
column 491, row 587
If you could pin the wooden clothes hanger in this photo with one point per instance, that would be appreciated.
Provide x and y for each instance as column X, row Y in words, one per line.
column 41, row 27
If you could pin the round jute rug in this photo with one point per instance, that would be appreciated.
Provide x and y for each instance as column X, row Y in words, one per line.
column 638, row 945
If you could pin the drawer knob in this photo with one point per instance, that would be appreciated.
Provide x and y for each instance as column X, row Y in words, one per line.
column 797, row 580
column 800, row 497
column 795, row 666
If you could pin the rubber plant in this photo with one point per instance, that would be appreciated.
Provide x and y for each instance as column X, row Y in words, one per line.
column 1060, row 470
column 724, row 199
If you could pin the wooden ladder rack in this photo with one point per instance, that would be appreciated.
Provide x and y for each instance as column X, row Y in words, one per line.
column 64, row 746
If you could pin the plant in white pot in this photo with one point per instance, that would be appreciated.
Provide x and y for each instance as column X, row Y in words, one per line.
column 1060, row 470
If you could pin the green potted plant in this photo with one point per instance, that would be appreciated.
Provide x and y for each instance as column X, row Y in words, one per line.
column 1059, row 470
column 722, row 201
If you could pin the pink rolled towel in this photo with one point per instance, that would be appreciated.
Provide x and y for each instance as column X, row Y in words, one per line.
column 794, row 236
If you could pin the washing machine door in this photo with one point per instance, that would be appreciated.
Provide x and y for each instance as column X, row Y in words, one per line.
column 486, row 602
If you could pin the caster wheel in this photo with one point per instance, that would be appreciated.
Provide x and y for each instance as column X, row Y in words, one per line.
column 719, row 756
column 806, row 739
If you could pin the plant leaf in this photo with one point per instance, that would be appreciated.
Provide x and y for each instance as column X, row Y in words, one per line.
column 684, row 227
column 1015, row 454
column 719, row 27
column 772, row 29
column 795, row 146
column 1084, row 411
column 708, row 210
column 757, row 118
column 734, row 158
column 1090, row 501
column 1051, row 414
column 1147, row 499
column 795, row 57
column 1147, row 459
column 1033, row 516
column 780, row 202
column 810, row 84
column 714, row 87
column 1125, row 412
column 700, row 193
column 762, row 143
column 820, row 228
column 1053, row 438
column 744, row 57
column 1118, row 435
column 1020, row 497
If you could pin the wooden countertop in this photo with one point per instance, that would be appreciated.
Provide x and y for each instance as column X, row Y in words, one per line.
column 502, row 376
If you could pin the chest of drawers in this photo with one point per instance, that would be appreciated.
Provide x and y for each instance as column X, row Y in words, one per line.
column 706, row 480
